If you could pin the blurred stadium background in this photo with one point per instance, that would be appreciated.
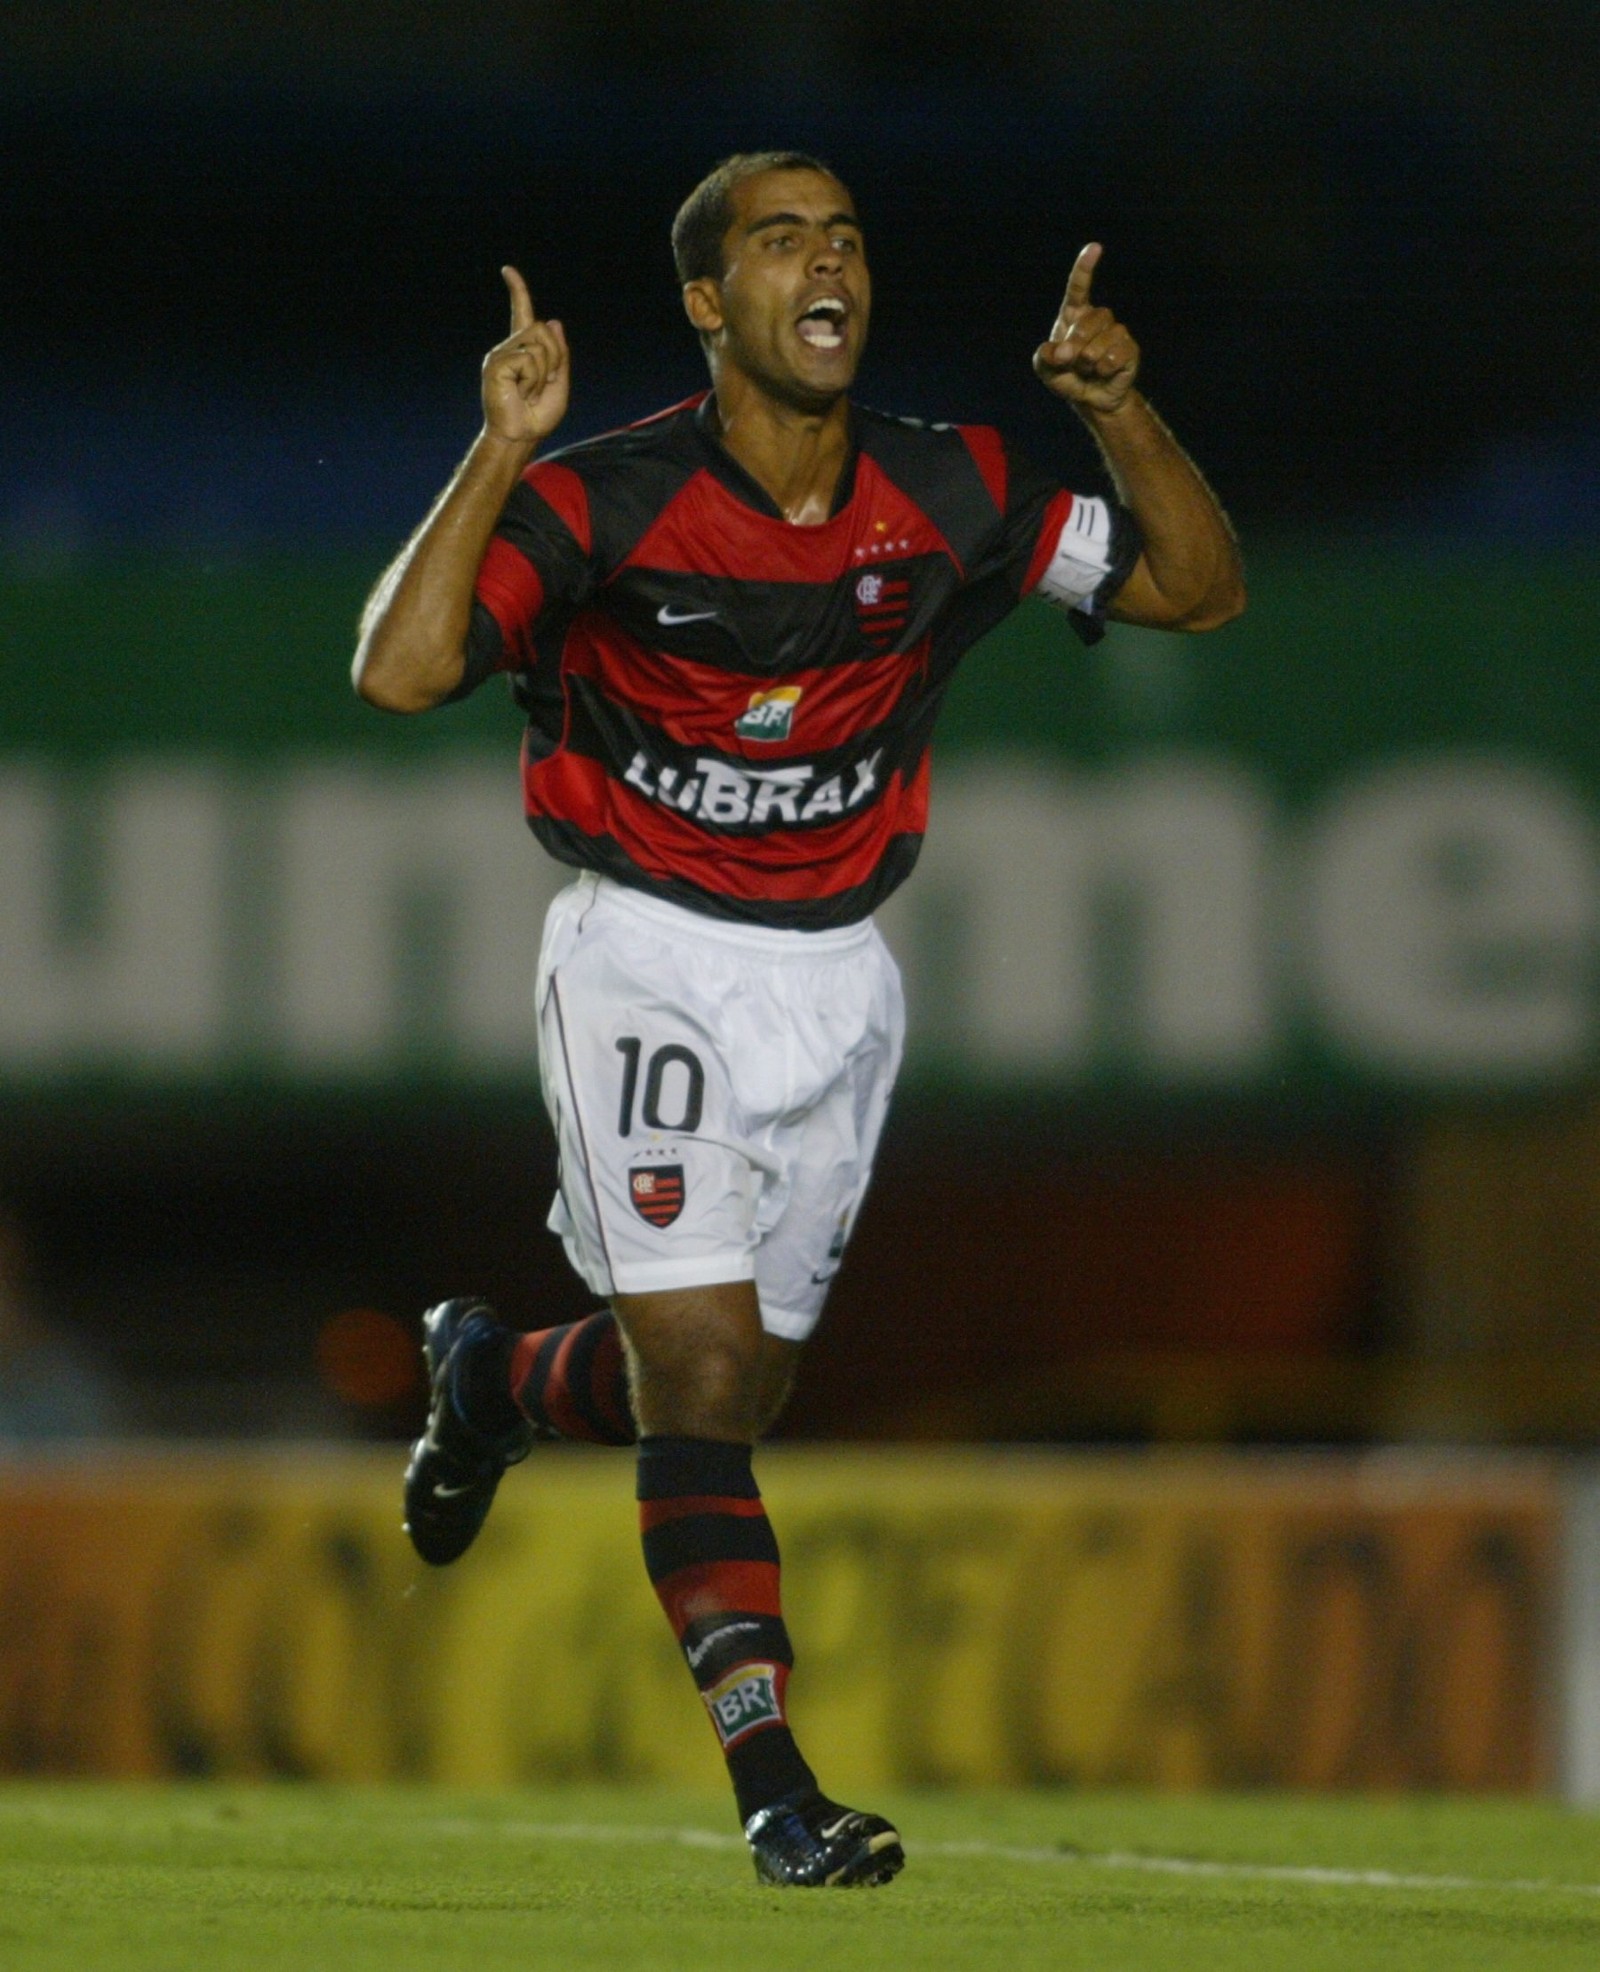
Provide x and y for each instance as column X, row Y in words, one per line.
column 1256, row 1014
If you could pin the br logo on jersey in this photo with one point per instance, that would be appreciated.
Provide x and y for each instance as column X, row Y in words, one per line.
column 769, row 715
column 657, row 1192
column 883, row 602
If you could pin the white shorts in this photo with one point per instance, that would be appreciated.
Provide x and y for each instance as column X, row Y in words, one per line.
column 717, row 1092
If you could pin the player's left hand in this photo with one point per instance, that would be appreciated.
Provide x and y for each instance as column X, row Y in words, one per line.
column 1090, row 359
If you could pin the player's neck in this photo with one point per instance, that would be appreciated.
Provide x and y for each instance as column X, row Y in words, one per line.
column 795, row 457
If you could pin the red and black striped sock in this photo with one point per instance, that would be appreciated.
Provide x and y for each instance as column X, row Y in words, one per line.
column 713, row 1561
column 573, row 1380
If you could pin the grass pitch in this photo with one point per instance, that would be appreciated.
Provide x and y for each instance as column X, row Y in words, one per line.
column 281, row 1879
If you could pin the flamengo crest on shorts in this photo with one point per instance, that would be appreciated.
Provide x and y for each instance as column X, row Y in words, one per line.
column 745, row 1699
column 657, row 1192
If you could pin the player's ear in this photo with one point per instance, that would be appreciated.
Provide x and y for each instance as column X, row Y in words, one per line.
column 702, row 303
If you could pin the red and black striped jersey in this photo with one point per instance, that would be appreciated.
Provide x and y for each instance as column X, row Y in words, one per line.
column 733, row 712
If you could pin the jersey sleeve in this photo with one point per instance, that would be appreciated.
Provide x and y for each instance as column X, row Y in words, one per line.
column 1074, row 549
column 540, row 559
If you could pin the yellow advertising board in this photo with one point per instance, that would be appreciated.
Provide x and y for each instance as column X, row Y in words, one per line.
column 959, row 1618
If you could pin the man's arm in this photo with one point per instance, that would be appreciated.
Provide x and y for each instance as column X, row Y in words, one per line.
column 1189, row 576
column 412, row 648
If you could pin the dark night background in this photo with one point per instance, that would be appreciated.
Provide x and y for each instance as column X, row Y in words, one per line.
column 249, row 263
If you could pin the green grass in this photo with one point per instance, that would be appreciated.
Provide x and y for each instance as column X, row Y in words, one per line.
column 316, row 1880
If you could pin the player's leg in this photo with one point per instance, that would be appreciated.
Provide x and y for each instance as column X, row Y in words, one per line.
column 576, row 1380
column 811, row 1067
column 570, row 1381
column 670, row 1177
column 704, row 1374
column 656, row 1191
column 828, row 1150
column 495, row 1390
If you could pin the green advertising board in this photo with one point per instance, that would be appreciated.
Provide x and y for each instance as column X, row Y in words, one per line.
column 1346, row 846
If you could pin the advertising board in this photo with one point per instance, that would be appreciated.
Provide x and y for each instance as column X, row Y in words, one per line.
column 1347, row 845
column 960, row 1619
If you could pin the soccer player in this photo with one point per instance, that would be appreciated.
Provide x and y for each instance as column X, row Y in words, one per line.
column 731, row 628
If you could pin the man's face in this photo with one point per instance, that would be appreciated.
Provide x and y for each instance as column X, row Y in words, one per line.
column 791, row 308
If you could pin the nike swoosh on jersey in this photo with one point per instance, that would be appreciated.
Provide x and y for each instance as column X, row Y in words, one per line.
column 668, row 615
column 449, row 1492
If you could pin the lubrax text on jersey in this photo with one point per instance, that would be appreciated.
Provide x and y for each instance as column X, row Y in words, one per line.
column 726, row 797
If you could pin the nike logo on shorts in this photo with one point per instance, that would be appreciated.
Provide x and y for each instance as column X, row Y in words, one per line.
column 449, row 1492
column 668, row 615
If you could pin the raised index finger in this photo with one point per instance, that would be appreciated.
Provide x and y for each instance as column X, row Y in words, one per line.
column 522, row 315
column 1082, row 274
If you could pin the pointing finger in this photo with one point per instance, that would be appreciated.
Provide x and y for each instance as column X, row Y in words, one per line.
column 1082, row 274
column 522, row 315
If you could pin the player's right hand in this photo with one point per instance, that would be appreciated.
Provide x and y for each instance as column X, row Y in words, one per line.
column 525, row 378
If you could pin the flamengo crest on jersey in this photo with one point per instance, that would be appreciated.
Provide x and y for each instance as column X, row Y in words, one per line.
column 733, row 712
column 882, row 604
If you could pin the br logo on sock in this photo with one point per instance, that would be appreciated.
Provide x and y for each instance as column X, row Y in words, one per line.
column 745, row 1699
column 657, row 1192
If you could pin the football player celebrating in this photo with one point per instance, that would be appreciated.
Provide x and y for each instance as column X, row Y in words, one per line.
column 731, row 628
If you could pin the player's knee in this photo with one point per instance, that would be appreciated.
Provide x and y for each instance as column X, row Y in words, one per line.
column 709, row 1390
column 724, row 1384
column 696, row 1357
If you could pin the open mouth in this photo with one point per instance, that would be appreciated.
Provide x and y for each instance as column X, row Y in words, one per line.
column 822, row 325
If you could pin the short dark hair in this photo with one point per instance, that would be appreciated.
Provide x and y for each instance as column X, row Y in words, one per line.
column 706, row 214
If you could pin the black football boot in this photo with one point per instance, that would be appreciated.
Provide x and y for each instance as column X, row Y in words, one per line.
column 454, row 1467
column 809, row 1842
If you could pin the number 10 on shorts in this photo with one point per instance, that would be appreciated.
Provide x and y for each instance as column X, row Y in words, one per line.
column 672, row 1102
